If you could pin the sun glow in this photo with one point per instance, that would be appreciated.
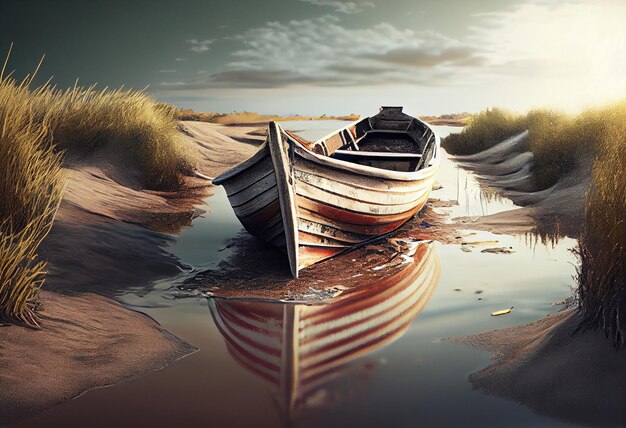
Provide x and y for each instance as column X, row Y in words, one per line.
column 570, row 56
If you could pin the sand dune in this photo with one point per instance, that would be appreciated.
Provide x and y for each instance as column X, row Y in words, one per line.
column 508, row 168
column 576, row 377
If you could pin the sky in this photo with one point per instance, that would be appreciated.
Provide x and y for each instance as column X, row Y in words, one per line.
column 329, row 56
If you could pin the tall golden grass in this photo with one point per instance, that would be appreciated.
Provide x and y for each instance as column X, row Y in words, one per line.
column 83, row 120
column 593, row 142
column 38, row 129
column 31, row 182
column 484, row 130
column 602, row 246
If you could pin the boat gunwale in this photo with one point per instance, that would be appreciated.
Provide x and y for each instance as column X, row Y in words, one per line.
column 352, row 167
column 258, row 156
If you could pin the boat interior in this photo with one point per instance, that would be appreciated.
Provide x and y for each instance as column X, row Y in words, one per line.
column 389, row 140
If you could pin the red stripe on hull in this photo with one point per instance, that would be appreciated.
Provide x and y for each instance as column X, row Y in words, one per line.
column 311, row 255
column 352, row 217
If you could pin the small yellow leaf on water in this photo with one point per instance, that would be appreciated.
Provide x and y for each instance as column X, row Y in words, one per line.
column 502, row 312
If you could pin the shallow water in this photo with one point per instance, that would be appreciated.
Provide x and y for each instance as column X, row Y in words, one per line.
column 398, row 374
column 313, row 129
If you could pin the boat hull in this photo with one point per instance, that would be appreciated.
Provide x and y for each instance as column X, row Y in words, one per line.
column 314, row 207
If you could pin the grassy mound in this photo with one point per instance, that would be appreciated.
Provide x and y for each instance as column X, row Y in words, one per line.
column 82, row 120
column 484, row 130
column 38, row 127
column 559, row 142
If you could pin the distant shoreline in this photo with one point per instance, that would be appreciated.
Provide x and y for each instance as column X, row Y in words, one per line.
column 247, row 118
column 455, row 119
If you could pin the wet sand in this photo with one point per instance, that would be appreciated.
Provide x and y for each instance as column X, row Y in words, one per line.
column 86, row 341
column 255, row 271
column 576, row 376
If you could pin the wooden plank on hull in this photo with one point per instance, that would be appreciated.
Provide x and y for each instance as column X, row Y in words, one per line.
column 309, row 239
column 357, row 206
column 254, row 174
column 312, row 255
column 364, row 170
column 360, row 229
column 265, row 214
column 242, row 167
column 269, row 234
column 364, row 197
column 252, row 191
column 353, row 217
column 320, row 229
column 363, row 181
column 257, row 203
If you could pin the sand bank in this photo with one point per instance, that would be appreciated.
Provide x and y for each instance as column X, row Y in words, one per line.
column 254, row 271
column 109, row 237
column 548, row 365
column 577, row 377
column 86, row 341
column 507, row 168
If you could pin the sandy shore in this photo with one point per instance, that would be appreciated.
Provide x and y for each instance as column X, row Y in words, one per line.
column 109, row 237
column 558, row 372
column 86, row 341
column 507, row 168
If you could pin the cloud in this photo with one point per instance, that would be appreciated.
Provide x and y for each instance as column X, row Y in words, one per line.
column 347, row 7
column 168, row 71
column 324, row 52
column 416, row 56
column 199, row 46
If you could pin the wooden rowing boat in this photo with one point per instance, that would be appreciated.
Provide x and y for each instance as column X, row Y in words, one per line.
column 317, row 199
column 299, row 348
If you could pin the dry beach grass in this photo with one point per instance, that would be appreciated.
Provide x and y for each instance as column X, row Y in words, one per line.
column 42, row 127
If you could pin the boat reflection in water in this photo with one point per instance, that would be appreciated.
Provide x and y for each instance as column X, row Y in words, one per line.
column 300, row 348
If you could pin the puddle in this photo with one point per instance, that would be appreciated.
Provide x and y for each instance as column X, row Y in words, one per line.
column 203, row 245
column 459, row 185
column 374, row 358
